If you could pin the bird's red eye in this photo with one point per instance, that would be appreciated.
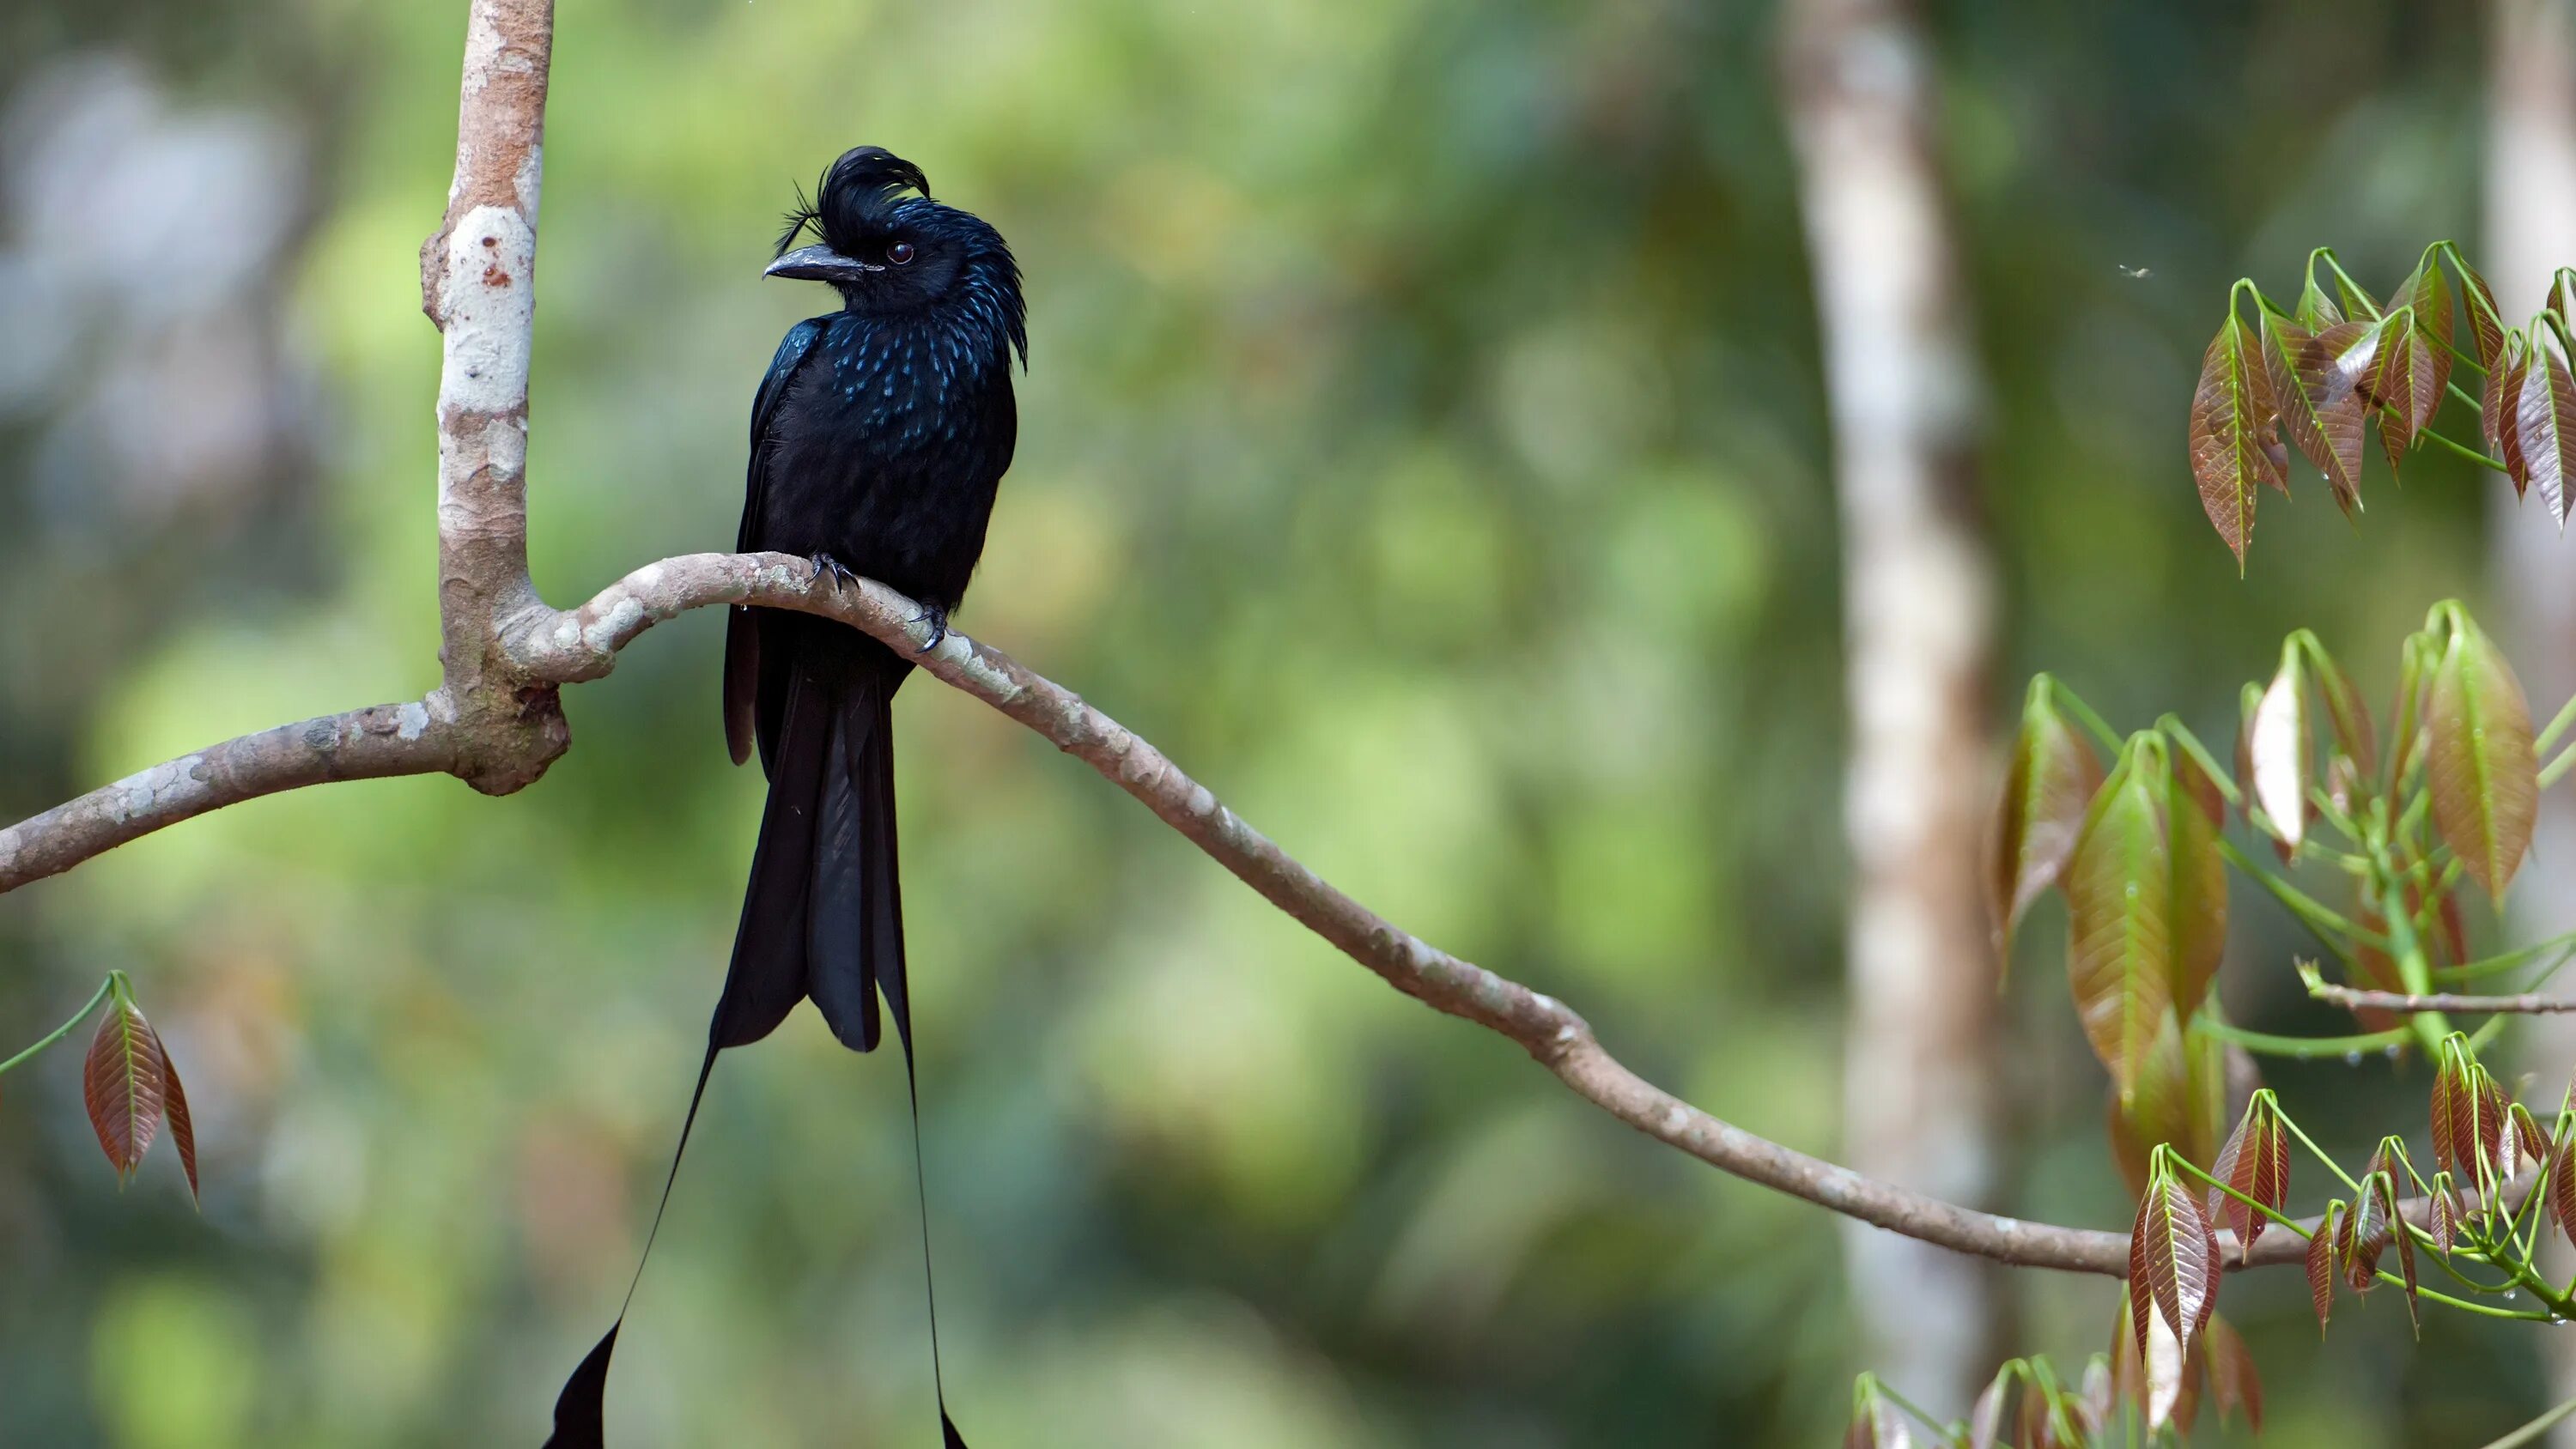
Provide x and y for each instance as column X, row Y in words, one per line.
column 899, row 253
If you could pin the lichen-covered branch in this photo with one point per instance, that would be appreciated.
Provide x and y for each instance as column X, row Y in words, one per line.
column 364, row 744
column 478, row 284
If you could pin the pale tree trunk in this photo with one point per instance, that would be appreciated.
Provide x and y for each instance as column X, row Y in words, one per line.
column 2531, row 229
column 1920, row 1092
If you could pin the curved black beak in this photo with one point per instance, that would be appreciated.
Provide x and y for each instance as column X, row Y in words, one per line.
column 819, row 264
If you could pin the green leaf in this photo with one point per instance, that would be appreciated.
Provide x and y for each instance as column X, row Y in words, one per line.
column 2406, row 724
column 2544, row 417
column 2232, row 435
column 2120, row 913
column 2484, row 776
column 2315, row 379
column 2053, row 774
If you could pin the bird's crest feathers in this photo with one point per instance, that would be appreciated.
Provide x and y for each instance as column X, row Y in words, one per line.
column 854, row 195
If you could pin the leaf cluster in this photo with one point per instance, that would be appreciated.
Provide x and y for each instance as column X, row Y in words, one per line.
column 2317, row 376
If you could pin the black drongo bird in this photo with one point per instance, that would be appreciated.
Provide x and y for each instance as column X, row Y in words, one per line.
column 877, row 441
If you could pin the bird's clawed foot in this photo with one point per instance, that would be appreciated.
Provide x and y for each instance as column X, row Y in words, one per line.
column 839, row 572
column 937, row 618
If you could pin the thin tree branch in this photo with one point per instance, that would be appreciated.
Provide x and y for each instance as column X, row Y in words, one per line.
column 2526, row 1005
column 364, row 744
column 582, row 644
column 547, row 646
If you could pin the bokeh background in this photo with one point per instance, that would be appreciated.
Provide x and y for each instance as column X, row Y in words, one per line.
column 1424, row 443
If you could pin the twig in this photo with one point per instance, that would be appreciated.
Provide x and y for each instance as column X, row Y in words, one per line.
column 2528, row 1005
column 364, row 744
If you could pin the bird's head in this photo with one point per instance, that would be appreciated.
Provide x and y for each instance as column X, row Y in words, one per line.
column 890, row 253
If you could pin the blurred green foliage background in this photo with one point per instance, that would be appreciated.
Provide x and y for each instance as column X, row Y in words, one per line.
column 1423, row 445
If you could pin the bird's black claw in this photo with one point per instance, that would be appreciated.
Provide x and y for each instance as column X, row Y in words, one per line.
column 839, row 572
column 937, row 618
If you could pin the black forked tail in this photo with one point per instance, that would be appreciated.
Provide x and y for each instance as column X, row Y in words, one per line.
column 822, row 917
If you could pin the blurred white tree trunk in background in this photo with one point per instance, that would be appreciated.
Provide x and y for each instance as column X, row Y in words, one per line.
column 2531, row 229
column 1901, row 373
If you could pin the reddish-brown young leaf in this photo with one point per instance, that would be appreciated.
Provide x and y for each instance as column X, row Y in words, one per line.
column 2159, row 1108
column 121, row 1086
column 2450, row 933
column 2376, row 969
column 2483, row 774
column 2053, row 775
column 2532, row 1144
column 2036, row 1431
column 2232, row 422
column 2315, row 382
column 2256, row 1163
column 2266, row 1173
column 2544, row 415
column 2201, row 786
column 2430, row 297
column 2171, row 1255
column 2120, row 913
column 2486, row 322
column 2562, row 1190
column 2198, row 887
column 2448, row 1083
column 2475, row 1134
column 2280, row 764
column 2499, row 413
column 1876, row 1425
column 2442, row 1221
column 2384, row 1183
column 2414, row 364
column 2321, row 1264
column 2233, row 1384
column 2219, row 1207
column 2508, row 1139
column 1986, row 1417
column 174, row 1098
column 2400, row 386
column 2347, row 714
